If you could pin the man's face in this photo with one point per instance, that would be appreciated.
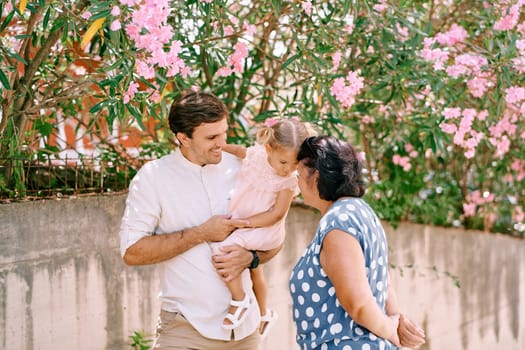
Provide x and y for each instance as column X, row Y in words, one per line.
column 205, row 146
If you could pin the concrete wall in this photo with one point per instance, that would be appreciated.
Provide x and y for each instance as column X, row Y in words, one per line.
column 64, row 286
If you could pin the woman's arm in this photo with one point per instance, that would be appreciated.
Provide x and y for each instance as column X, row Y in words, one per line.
column 237, row 150
column 344, row 263
column 410, row 335
column 275, row 213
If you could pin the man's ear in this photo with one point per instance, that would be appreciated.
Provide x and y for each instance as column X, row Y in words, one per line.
column 183, row 139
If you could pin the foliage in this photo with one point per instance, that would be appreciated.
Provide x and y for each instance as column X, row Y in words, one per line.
column 139, row 341
column 432, row 92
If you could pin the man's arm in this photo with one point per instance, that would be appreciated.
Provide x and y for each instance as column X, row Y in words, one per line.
column 157, row 248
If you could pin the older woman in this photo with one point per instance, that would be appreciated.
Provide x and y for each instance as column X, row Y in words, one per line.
column 340, row 286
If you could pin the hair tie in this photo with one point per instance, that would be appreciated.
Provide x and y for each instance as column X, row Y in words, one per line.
column 271, row 122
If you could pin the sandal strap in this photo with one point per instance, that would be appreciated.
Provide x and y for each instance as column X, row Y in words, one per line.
column 241, row 303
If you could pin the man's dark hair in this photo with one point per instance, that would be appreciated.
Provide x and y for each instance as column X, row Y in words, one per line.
column 192, row 108
column 339, row 167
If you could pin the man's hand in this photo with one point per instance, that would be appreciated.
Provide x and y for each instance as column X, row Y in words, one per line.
column 232, row 262
column 410, row 335
column 218, row 227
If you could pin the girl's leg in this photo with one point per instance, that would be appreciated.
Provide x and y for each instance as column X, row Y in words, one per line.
column 260, row 288
column 238, row 302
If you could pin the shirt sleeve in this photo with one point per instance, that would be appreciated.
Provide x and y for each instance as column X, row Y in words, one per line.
column 142, row 212
column 344, row 218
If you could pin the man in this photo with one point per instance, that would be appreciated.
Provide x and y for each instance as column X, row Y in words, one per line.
column 175, row 206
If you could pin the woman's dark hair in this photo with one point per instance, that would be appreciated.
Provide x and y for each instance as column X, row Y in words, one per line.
column 340, row 170
column 193, row 108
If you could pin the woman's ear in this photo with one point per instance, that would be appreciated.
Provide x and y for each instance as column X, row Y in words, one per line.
column 268, row 148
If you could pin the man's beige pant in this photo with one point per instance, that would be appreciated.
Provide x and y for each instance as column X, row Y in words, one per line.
column 174, row 332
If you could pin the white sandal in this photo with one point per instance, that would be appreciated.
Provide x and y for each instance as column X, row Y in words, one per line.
column 238, row 317
column 268, row 320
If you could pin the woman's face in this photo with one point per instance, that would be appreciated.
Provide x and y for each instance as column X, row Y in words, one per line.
column 307, row 185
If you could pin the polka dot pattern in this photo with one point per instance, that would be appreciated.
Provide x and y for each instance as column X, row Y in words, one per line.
column 320, row 320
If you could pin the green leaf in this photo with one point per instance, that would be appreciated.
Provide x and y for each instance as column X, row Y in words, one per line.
column 4, row 80
column 43, row 127
column 6, row 21
column 16, row 57
column 99, row 106
column 136, row 113
column 101, row 14
column 45, row 21
column 22, row 36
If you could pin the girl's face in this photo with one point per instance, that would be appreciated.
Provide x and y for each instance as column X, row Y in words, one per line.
column 283, row 160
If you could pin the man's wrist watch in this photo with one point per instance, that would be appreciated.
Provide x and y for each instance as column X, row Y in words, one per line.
column 255, row 260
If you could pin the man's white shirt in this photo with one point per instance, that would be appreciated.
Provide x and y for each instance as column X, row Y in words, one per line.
column 171, row 194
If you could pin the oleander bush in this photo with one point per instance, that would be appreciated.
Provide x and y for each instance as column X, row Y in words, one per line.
column 431, row 92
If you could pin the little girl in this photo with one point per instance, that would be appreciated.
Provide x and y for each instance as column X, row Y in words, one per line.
column 265, row 188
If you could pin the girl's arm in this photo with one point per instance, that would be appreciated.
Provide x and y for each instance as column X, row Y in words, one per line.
column 344, row 263
column 275, row 213
column 237, row 150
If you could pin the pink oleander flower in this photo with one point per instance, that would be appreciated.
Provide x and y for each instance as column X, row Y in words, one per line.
column 115, row 11
column 450, row 113
column 517, row 214
column 115, row 25
column 130, row 93
column 510, row 20
column 228, row 30
column 436, row 55
column 367, row 119
column 514, row 94
column 448, row 128
column 403, row 32
column 469, row 209
column 336, row 58
column 518, row 63
column 456, row 34
column 250, row 28
column 307, row 6
column 224, row 71
column 402, row 161
column 269, row 122
column 345, row 94
column 129, row 3
column 381, row 7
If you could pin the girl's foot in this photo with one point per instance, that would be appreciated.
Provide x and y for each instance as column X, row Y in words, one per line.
column 268, row 320
column 237, row 313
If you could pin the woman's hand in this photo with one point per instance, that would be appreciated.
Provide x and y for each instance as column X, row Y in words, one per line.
column 394, row 337
column 410, row 335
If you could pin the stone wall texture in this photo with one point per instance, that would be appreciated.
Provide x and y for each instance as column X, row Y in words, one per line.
column 63, row 284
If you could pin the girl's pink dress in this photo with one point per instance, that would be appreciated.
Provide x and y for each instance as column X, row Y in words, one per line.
column 255, row 192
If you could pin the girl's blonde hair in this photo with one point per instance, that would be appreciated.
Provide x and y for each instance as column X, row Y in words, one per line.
column 285, row 133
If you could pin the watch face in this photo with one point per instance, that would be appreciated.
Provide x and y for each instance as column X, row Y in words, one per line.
column 255, row 261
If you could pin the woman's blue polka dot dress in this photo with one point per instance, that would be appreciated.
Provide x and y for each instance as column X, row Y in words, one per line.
column 321, row 321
